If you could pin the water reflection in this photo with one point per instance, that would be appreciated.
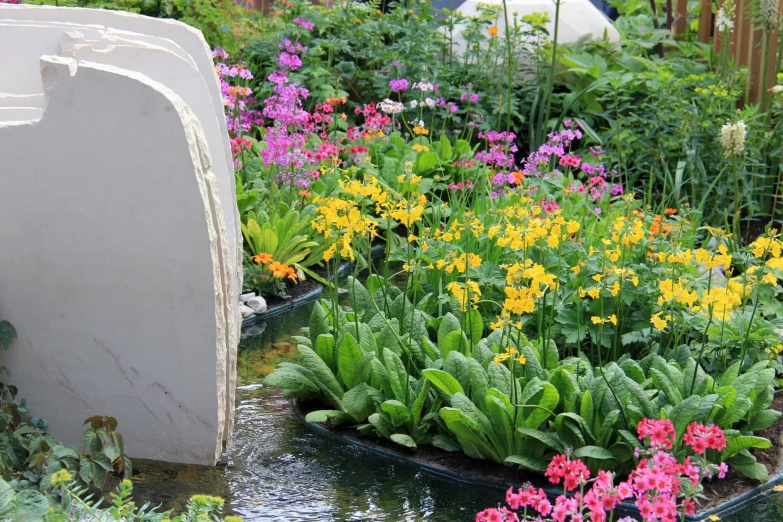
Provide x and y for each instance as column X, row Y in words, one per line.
column 278, row 470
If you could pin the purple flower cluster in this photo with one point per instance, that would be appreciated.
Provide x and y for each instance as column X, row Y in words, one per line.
column 399, row 85
column 305, row 24
column 240, row 118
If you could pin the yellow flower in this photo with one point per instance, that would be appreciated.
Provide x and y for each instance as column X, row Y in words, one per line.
column 778, row 488
column 714, row 518
column 612, row 319
column 658, row 322
column 576, row 269
column 420, row 148
column 493, row 31
column 61, row 476
column 597, row 278
column 596, row 320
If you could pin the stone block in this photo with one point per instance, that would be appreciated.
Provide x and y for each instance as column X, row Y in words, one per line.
column 117, row 210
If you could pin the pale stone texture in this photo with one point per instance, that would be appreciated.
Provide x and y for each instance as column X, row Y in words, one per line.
column 106, row 205
column 172, row 35
column 577, row 19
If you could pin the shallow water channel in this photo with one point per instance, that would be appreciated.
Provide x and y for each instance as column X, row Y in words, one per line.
column 279, row 470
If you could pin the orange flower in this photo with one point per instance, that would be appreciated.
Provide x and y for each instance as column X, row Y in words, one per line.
column 281, row 270
column 493, row 31
column 305, row 193
column 263, row 258
column 656, row 228
column 518, row 177
column 670, row 211
column 336, row 101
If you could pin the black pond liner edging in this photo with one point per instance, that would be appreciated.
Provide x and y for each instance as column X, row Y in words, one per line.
column 723, row 509
column 273, row 311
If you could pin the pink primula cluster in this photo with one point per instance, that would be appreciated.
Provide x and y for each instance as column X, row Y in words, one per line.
column 661, row 487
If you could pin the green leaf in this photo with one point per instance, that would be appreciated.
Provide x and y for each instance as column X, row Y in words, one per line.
column 319, row 322
column 682, row 414
column 593, row 452
column 455, row 342
column 324, row 347
column 531, row 463
column 7, row 334
column 426, row 162
column 763, row 420
column 737, row 443
column 663, row 383
column 473, row 326
column 539, row 400
column 548, row 438
column 360, row 401
column 398, row 377
column 448, row 324
column 456, row 365
column 443, row 381
column 30, row 506
column 289, row 379
column 468, row 434
column 381, row 423
column 321, row 416
column 746, row 464
column 359, row 296
column 319, row 367
column 398, row 412
column 349, row 355
column 499, row 377
column 404, row 440
column 7, row 496
column 445, row 443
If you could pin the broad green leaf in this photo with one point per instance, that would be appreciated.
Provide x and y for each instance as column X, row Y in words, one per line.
column 443, row 381
column 763, row 419
column 6, row 500
column 548, row 438
column 349, row 355
column 30, row 506
column 319, row 322
column 445, row 443
column 682, row 414
column 538, row 402
column 501, row 417
column 473, row 326
column 381, row 423
column 324, row 347
column 404, row 440
column 455, row 342
column 448, row 324
column 397, row 411
column 360, row 298
column 321, row 416
column 473, row 443
column 398, row 377
column 319, row 367
column 593, row 452
column 663, row 383
column 360, row 401
column 456, row 365
column 284, row 377
column 499, row 377
column 531, row 463
column 737, row 443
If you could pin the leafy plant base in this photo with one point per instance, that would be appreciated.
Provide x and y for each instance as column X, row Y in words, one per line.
column 723, row 497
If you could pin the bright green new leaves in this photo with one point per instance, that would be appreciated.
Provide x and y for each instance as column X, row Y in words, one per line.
column 349, row 356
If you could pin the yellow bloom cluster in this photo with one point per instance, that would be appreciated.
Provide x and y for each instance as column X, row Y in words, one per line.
column 465, row 293
column 510, row 353
column 340, row 221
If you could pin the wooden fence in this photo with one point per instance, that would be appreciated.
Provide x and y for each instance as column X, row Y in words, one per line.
column 747, row 41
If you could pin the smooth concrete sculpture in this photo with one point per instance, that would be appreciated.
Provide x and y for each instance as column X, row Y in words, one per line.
column 107, row 205
column 189, row 44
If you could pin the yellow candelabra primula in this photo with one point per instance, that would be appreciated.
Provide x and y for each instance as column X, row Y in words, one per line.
column 340, row 222
column 465, row 293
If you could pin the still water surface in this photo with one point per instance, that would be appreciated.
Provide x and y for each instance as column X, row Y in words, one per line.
column 278, row 470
